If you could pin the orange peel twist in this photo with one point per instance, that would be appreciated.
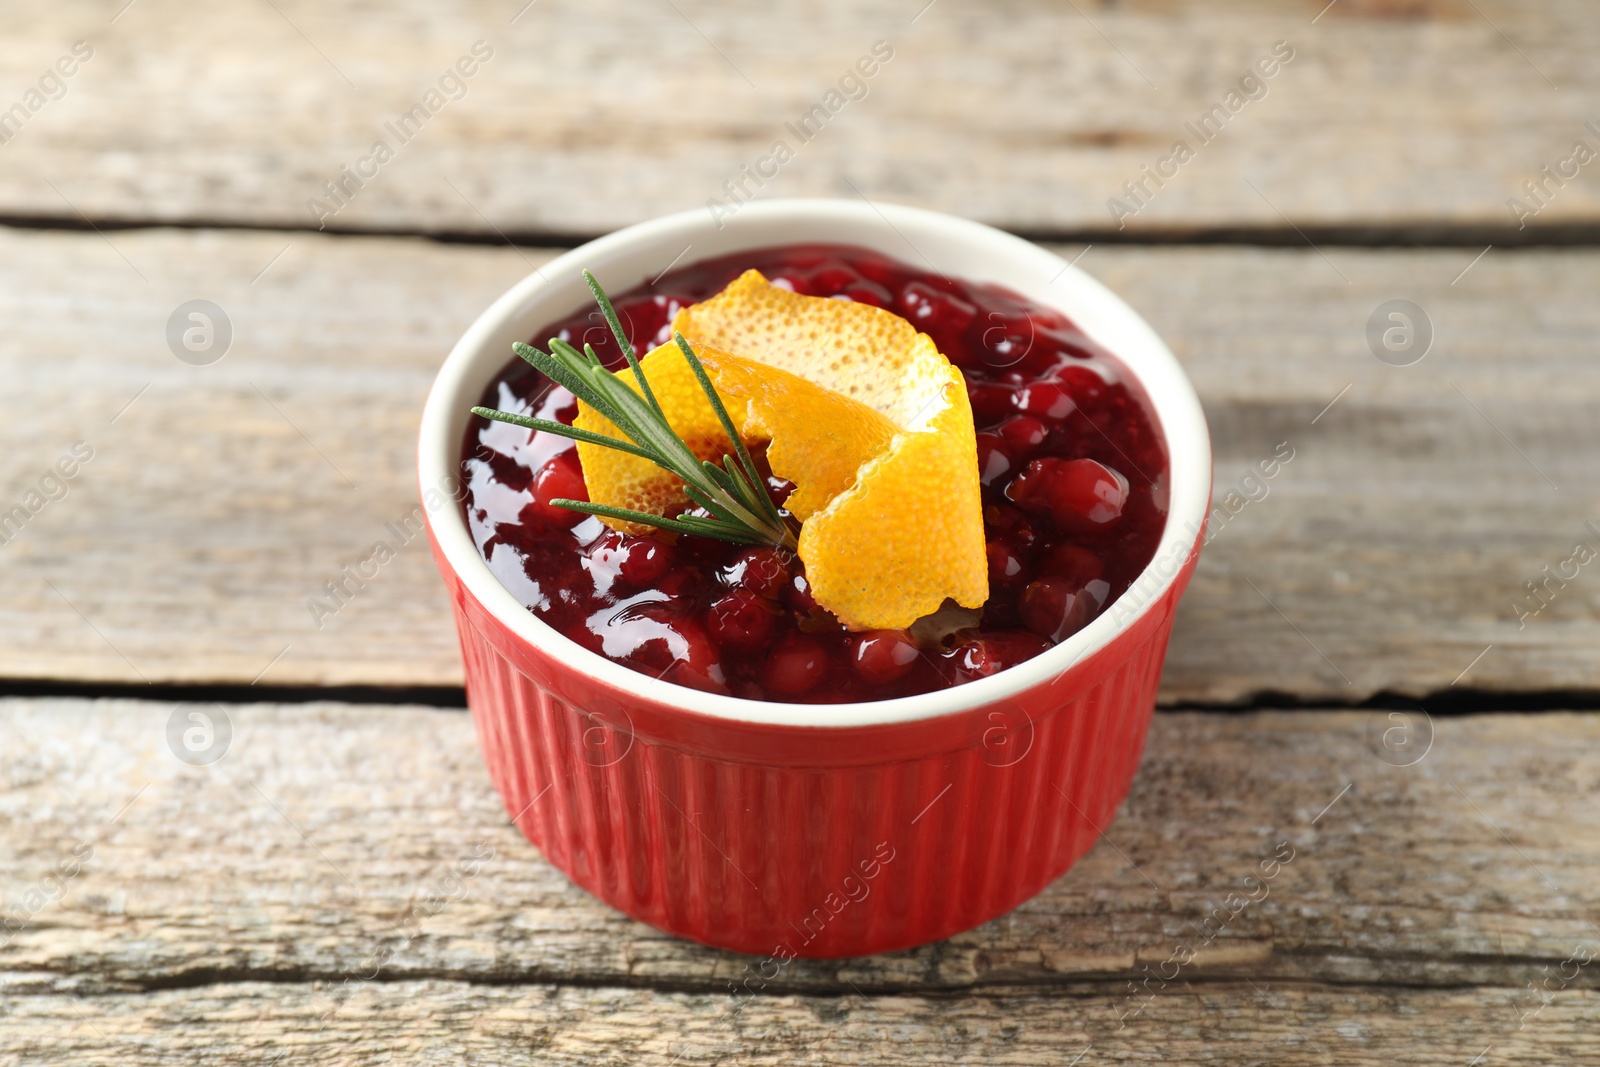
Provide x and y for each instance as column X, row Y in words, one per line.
column 859, row 410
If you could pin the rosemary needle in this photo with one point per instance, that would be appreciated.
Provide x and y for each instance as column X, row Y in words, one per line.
column 732, row 494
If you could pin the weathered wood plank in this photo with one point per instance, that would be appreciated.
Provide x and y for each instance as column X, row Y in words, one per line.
column 1396, row 544
column 1026, row 114
column 439, row 1022
column 328, row 833
column 221, row 497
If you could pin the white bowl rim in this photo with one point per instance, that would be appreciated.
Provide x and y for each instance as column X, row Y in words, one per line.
column 1043, row 277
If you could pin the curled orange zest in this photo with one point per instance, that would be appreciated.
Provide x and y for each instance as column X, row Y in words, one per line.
column 859, row 410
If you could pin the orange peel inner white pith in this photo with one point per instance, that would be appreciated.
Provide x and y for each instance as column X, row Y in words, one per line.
column 859, row 410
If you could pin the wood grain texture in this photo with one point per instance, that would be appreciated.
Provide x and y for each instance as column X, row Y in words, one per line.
column 222, row 497
column 328, row 833
column 438, row 1023
column 1388, row 554
column 1395, row 549
column 1031, row 115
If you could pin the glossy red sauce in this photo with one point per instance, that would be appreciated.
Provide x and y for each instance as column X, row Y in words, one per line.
column 1074, row 478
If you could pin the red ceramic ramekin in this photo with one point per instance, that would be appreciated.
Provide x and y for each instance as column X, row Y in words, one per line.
column 788, row 830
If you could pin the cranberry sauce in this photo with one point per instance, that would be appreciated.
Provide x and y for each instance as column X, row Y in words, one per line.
column 1074, row 479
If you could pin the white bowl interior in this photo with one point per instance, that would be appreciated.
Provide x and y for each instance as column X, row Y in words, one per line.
column 952, row 246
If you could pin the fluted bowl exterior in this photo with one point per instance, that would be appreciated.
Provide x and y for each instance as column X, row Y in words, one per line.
column 785, row 830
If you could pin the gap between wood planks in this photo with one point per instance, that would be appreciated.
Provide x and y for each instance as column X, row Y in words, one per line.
column 1109, row 986
column 1444, row 702
column 1404, row 235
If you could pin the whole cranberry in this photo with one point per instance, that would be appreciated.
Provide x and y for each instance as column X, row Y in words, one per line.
column 877, row 269
column 1004, row 337
column 1005, row 565
column 644, row 560
column 1049, row 353
column 1048, row 400
column 795, row 666
column 994, row 465
column 559, row 478
column 797, row 596
column 833, row 278
column 882, row 656
column 1055, row 608
column 698, row 665
column 981, row 655
column 1075, row 563
column 929, row 310
column 634, row 561
column 991, row 401
column 865, row 292
column 1079, row 495
column 1022, row 434
column 1082, row 383
column 762, row 571
column 680, row 583
column 741, row 621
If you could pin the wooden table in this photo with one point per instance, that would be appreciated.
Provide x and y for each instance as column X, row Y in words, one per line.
column 1441, row 906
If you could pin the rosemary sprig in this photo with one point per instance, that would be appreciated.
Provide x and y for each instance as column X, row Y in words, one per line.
column 732, row 494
